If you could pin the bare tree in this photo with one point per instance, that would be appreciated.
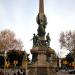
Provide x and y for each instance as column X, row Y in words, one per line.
column 67, row 40
column 8, row 41
column 62, row 39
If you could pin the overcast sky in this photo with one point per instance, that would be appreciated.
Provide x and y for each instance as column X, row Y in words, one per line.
column 20, row 16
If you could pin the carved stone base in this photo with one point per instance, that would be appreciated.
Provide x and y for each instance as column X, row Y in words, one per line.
column 42, row 71
column 41, row 66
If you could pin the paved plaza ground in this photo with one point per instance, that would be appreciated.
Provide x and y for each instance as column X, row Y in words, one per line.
column 63, row 73
column 12, row 71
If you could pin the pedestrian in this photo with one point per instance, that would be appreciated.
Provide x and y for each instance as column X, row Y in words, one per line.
column 14, row 73
column 18, row 73
column 24, row 73
column 21, row 72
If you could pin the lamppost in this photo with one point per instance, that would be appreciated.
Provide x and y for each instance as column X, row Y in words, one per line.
column 26, row 63
column 5, row 62
column 59, row 60
column 74, row 59
column 73, row 51
column 26, row 67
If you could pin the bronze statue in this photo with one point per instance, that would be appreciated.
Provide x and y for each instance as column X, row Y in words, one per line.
column 42, row 22
column 35, row 39
column 48, row 39
column 41, row 30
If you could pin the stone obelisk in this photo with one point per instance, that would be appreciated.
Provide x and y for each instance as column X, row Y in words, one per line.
column 41, row 52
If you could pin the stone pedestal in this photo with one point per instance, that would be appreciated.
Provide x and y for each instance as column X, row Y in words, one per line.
column 42, row 71
column 41, row 66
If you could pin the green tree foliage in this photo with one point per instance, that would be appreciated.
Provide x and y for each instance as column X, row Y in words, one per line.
column 15, row 55
column 1, row 61
column 12, row 55
column 70, row 57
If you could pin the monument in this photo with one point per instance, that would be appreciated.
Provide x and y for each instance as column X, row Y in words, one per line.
column 42, row 54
